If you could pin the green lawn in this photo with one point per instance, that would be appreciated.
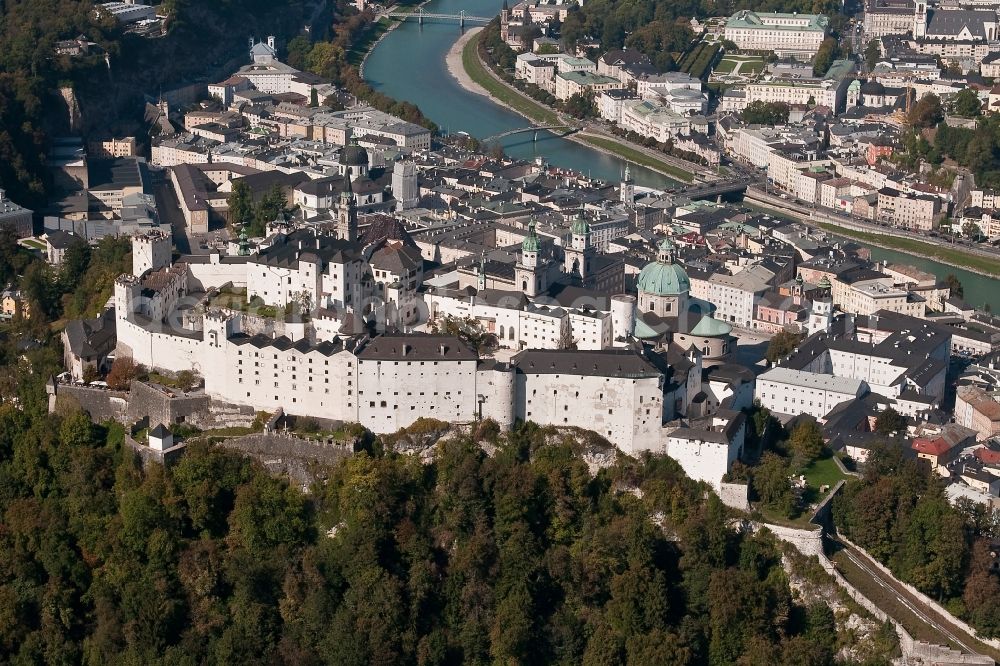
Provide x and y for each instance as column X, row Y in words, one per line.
column 637, row 157
column 823, row 472
column 32, row 243
column 725, row 66
column 477, row 72
column 743, row 65
column 942, row 252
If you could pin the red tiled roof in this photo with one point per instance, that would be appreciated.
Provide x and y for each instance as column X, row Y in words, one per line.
column 988, row 456
column 933, row 447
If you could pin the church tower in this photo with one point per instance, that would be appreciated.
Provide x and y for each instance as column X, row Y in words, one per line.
column 347, row 214
column 920, row 20
column 481, row 282
column 527, row 275
column 821, row 315
column 504, row 21
column 628, row 188
column 579, row 252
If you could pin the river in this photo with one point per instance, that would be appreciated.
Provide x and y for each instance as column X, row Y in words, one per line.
column 409, row 64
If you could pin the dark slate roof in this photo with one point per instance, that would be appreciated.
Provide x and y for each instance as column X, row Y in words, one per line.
column 286, row 250
column 159, row 432
column 385, row 228
column 397, row 258
column 415, row 347
column 951, row 22
column 60, row 239
column 88, row 338
column 603, row 363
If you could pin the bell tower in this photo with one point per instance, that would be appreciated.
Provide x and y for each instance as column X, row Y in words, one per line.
column 347, row 213
column 528, row 278
column 579, row 252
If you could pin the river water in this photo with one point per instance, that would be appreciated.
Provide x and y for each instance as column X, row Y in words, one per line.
column 979, row 289
column 409, row 64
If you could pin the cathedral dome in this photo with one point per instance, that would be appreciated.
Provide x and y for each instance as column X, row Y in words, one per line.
column 354, row 155
column 662, row 279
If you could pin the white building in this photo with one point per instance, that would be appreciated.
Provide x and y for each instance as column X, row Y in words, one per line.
column 787, row 391
column 798, row 35
column 708, row 449
column 653, row 120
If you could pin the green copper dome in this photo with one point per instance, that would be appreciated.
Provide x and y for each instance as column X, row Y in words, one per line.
column 710, row 327
column 663, row 279
column 530, row 242
column 824, row 283
column 580, row 226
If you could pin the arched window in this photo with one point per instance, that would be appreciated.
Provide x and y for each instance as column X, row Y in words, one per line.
column 510, row 334
column 652, row 306
column 524, row 285
column 500, row 335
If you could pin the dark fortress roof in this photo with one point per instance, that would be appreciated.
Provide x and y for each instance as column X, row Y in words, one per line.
column 604, row 363
column 385, row 228
column 416, row 347
column 288, row 249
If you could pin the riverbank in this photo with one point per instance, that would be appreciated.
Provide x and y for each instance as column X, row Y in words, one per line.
column 942, row 254
column 385, row 26
column 473, row 75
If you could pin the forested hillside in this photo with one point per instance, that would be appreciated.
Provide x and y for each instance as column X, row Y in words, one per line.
column 201, row 34
column 522, row 557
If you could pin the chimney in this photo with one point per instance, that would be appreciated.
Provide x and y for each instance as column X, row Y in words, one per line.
column 406, row 349
column 444, row 349
column 270, row 41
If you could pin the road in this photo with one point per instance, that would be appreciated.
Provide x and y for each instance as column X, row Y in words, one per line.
column 920, row 611
column 832, row 217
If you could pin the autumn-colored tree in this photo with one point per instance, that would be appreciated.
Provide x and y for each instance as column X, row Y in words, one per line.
column 121, row 374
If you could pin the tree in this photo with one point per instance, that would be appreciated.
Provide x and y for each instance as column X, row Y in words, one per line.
column 468, row 329
column 873, row 51
column 890, row 421
column 967, row 103
column 270, row 206
column 771, row 483
column 240, row 202
column 806, row 443
column 972, row 231
column 781, row 345
column 927, row 112
column 313, row 98
column 955, row 285
column 122, row 372
column 828, row 51
column 75, row 262
column 765, row 113
column 580, row 105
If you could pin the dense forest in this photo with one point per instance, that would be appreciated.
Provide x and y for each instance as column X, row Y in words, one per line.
column 519, row 557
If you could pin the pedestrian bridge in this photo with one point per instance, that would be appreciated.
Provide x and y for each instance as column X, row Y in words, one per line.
column 567, row 130
column 420, row 15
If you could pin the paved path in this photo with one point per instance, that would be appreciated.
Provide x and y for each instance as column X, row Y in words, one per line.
column 921, row 611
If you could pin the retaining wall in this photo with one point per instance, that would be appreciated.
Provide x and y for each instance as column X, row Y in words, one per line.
column 992, row 642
